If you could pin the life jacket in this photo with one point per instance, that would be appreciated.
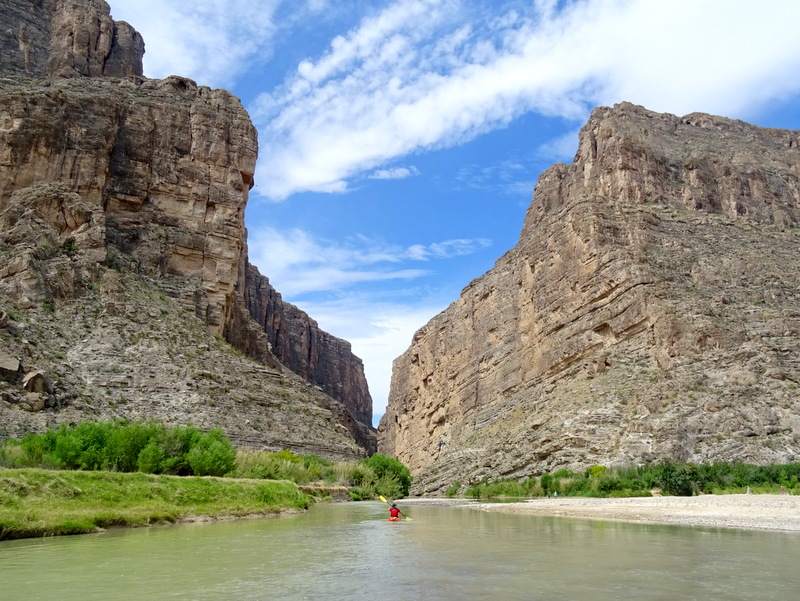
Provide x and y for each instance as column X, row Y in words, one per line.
column 394, row 512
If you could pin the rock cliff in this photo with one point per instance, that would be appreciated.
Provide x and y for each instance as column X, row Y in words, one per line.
column 103, row 169
column 650, row 310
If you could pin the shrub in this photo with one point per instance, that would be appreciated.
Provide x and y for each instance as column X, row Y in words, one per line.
column 150, row 459
column 388, row 467
column 596, row 471
column 453, row 489
column 212, row 455
column 676, row 479
column 125, row 446
column 360, row 494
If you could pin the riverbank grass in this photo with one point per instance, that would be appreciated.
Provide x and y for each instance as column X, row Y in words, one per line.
column 38, row 502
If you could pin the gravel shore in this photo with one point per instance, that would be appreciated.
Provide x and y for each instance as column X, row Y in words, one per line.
column 748, row 512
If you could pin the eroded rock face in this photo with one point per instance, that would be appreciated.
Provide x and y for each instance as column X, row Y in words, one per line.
column 102, row 168
column 310, row 352
column 650, row 310
column 168, row 163
column 67, row 38
column 317, row 356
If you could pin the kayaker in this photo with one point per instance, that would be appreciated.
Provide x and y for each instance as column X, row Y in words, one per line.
column 394, row 512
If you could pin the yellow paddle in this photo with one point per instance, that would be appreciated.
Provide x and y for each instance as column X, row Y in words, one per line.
column 382, row 498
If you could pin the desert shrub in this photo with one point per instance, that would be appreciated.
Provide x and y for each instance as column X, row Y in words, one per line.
column 473, row 492
column 212, row 455
column 126, row 447
column 287, row 455
column 124, row 444
column 453, row 489
column 388, row 467
column 150, row 458
column 390, row 487
column 676, row 479
column 361, row 494
column 317, row 468
column 596, row 471
column 283, row 465
column 608, row 484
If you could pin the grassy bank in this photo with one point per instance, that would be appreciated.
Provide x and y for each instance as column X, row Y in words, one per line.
column 38, row 502
column 154, row 448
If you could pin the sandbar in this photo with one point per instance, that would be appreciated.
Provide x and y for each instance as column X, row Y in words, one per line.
column 780, row 513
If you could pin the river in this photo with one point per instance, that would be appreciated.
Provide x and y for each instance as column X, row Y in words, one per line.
column 351, row 552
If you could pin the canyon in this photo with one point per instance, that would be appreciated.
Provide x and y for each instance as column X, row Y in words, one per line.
column 649, row 311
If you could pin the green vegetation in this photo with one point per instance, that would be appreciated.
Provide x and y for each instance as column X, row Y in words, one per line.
column 453, row 489
column 678, row 479
column 38, row 502
column 148, row 447
column 366, row 479
column 393, row 478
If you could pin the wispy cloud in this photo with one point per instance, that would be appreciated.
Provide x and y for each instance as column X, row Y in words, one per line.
column 422, row 74
column 446, row 249
column 212, row 41
column 394, row 173
column 378, row 331
column 297, row 263
column 425, row 74
column 562, row 148
column 509, row 177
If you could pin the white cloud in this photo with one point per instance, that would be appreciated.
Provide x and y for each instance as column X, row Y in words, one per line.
column 394, row 173
column 379, row 332
column 419, row 76
column 562, row 148
column 511, row 177
column 446, row 249
column 296, row 263
column 210, row 41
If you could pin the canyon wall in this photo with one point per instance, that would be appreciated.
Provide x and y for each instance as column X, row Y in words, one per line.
column 102, row 168
column 650, row 310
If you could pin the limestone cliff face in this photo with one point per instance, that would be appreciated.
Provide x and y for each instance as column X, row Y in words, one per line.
column 102, row 168
column 67, row 38
column 170, row 164
column 297, row 342
column 650, row 310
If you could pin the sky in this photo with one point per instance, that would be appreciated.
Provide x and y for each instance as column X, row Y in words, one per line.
column 400, row 140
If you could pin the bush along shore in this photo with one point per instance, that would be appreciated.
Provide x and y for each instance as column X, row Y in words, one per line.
column 669, row 478
column 80, row 479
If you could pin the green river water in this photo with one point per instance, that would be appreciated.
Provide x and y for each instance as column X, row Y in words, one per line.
column 351, row 552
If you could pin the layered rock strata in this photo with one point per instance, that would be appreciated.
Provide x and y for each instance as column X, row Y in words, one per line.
column 103, row 168
column 650, row 310
column 297, row 341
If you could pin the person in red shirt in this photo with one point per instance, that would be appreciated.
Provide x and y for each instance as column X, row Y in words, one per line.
column 394, row 512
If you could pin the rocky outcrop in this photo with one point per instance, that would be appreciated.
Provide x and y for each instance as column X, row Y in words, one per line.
column 650, row 310
column 102, row 168
column 124, row 350
column 67, row 38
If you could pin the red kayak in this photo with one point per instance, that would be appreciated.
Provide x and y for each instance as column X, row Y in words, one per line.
column 394, row 519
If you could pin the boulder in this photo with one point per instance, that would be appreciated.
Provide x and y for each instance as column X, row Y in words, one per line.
column 10, row 368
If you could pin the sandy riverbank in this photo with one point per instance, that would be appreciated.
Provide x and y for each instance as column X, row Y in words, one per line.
column 748, row 512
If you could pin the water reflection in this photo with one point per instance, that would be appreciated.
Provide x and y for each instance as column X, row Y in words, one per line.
column 351, row 551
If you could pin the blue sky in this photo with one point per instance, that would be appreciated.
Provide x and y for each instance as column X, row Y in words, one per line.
column 400, row 140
